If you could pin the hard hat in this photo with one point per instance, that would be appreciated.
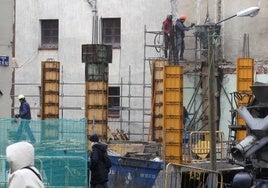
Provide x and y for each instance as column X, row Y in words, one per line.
column 169, row 14
column 183, row 17
column 21, row 97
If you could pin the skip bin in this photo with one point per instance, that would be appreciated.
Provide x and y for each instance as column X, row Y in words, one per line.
column 133, row 173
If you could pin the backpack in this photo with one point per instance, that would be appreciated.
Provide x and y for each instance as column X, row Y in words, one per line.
column 107, row 161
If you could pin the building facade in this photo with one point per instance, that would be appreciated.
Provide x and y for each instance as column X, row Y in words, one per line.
column 6, row 54
column 56, row 29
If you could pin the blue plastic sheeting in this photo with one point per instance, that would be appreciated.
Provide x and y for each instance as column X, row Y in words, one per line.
column 133, row 173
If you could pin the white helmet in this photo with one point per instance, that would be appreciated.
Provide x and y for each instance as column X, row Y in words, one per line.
column 21, row 97
column 169, row 14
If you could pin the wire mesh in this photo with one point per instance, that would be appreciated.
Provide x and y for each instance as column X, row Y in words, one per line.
column 60, row 149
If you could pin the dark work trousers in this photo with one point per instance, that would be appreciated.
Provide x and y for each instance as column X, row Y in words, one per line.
column 180, row 46
column 167, row 41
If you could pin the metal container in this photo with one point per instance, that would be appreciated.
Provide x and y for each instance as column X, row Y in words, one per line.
column 133, row 173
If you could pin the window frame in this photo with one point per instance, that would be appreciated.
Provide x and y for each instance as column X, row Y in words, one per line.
column 114, row 102
column 111, row 31
column 49, row 34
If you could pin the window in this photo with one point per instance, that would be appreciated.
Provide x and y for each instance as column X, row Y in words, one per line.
column 49, row 34
column 114, row 102
column 111, row 31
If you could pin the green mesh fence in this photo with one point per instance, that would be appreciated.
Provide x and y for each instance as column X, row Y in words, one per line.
column 60, row 149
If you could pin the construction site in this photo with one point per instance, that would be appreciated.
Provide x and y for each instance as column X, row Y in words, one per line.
column 174, row 124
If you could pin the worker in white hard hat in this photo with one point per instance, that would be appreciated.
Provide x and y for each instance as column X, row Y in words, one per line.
column 25, row 115
column 167, row 28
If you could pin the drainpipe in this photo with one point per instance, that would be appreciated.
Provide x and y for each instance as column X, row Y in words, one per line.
column 93, row 5
column 12, row 92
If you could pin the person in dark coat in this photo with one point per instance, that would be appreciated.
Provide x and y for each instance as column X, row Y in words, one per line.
column 167, row 27
column 25, row 115
column 99, row 172
column 180, row 34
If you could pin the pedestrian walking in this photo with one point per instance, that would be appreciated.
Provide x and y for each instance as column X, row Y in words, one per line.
column 25, row 115
column 99, row 163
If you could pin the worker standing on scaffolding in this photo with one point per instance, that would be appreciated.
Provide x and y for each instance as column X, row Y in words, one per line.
column 180, row 34
column 167, row 28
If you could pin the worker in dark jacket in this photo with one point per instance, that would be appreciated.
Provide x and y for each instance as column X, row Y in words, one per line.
column 99, row 172
column 25, row 115
column 167, row 27
column 180, row 34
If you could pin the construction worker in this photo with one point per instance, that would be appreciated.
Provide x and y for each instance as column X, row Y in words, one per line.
column 25, row 115
column 180, row 34
column 167, row 27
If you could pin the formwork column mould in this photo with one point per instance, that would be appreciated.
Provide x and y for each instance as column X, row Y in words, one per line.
column 157, row 100
column 173, row 113
column 96, row 58
column 50, row 84
column 244, row 79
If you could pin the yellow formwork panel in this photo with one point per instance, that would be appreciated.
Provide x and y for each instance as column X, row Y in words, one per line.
column 97, row 99
column 157, row 100
column 51, row 75
column 244, row 79
column 51, row 70
column 158, row 110
column 173, row 112
column 97, row 86
column 173, row 109
column 174, row 81
column 173, row 136
column 51, row 99
column 50, row 84
column 97, row 128
column 54, row 87
column 158, row 66
column 172, row 122
column 244, row 74
column 173, row 95
column 51, row 110
column 97, row 107
column 96, row 93
column 97, row 114
column 173, row 151
column 243, row 85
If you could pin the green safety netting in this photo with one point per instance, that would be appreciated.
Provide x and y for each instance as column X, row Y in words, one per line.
column 60, row 149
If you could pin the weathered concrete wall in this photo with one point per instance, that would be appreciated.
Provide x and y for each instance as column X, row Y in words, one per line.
column 75, row 29
column 234, row 29
column 6, row 38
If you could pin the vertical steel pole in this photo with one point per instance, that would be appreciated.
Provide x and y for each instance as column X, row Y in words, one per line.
column 211, row 99
column 95, row 25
